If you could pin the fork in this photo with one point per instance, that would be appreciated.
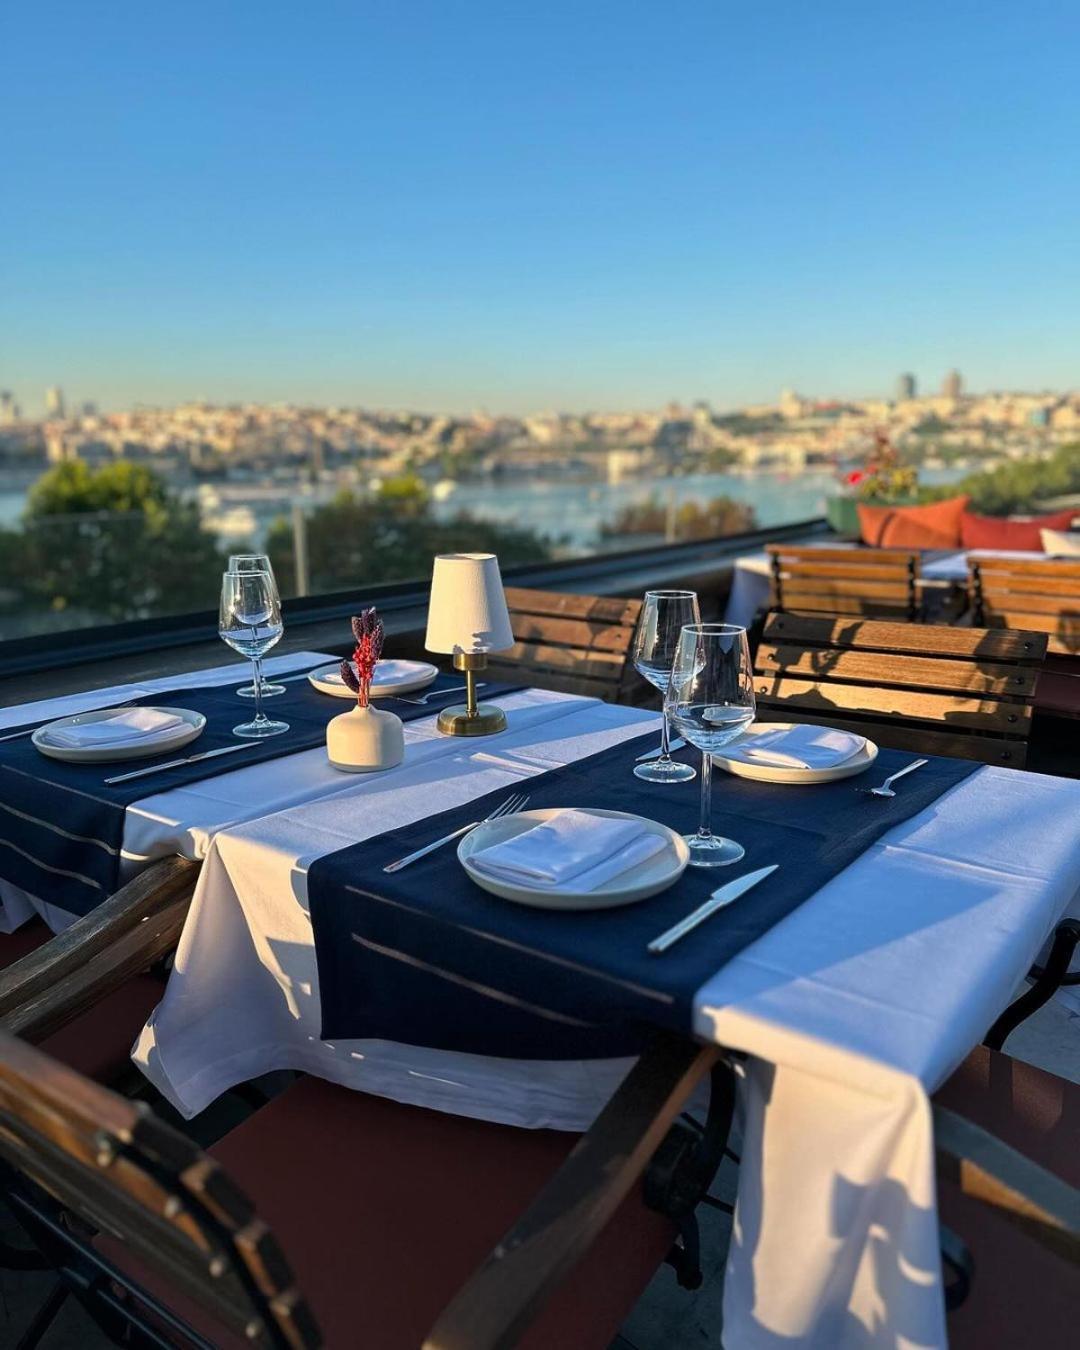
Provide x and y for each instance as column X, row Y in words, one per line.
column 510, row 807
column 435, row 693
column 885, row 790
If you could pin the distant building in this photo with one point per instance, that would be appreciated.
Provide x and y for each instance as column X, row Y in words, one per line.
column 9, row 409
column 953, row 385
column 54, row 401
column 905, row 388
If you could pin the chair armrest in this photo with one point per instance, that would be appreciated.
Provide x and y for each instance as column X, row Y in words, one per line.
column 131, row 930
column 492, row 1310
column 1021, row 1191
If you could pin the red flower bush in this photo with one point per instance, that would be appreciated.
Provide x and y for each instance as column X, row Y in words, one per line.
column 358, row 673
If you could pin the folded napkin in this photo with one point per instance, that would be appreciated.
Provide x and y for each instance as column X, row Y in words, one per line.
column 144, row 725
column 573, row 851
column 802, row 746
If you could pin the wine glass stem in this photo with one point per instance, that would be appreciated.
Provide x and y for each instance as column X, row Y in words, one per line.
column 665, row 738
column 256, row 664
column 704, row 829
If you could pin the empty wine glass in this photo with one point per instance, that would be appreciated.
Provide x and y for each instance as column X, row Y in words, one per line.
column 256, row 562
column 250, row 622
column 663, row 616
column 711, row 703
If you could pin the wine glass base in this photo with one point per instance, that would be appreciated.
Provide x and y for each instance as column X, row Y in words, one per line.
column 664, row 771
column 713, row 850
column 268, row 690
column 257, row 730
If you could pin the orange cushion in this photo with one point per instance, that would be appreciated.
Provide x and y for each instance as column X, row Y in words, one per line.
column 385, row 1210
column 936, row 525
column 1023, row 535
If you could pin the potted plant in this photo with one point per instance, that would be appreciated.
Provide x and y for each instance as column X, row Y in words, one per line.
column 884, row 481
column 364, row 738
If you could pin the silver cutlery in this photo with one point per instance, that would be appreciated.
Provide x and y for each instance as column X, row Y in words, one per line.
column 510, row 807
column 435, row 693
column 175, row 763
column 718, row 900
column 884, row 790
column 676, row 744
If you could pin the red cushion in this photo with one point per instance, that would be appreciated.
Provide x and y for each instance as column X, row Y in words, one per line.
column 935, row 525
column 385, row 1210
column 97, row 1042
column 24, row 940
column 1022, row 535
column 1021, row 1294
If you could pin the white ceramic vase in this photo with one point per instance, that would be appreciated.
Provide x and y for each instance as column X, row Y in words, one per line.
column 365, row 739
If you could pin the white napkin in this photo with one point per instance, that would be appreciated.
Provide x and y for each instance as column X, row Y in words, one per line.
column 573, row 851
column 133, row 724
column 802, row 746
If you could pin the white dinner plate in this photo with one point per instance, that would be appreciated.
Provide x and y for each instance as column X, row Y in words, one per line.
column 191, row 727
column 408, row 677
column 650, row 877
column 775, row 773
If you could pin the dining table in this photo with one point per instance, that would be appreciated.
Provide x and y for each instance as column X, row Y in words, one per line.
column 844, row 1011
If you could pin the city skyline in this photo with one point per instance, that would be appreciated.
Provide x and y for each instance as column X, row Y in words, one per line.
column 452, row 207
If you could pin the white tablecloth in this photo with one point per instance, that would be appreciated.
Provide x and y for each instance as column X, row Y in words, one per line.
column 852, row 1010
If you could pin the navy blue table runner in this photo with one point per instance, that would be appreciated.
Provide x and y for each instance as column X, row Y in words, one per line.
column 62, row 826
column 426, row 957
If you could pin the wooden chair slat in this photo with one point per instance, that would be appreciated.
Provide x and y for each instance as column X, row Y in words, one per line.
column 884, row 556
column 796, row 589
column 882, row 668
column 563, row 604
column 832, row 696
column 1024, row 567
column 1004, row 583
column 613, row 638
column 873, row 635
column 884, row 572
column 899, row 735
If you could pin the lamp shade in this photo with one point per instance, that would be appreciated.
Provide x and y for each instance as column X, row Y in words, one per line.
column 467, row 611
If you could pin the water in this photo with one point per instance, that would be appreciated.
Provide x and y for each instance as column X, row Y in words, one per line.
column 573, row 513
column 254, row 641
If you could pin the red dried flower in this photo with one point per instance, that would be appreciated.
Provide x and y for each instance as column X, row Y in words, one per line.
column 360, row 671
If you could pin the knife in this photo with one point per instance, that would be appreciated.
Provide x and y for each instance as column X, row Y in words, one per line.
column 676, row 744
column 175, row 763
column 718, row 900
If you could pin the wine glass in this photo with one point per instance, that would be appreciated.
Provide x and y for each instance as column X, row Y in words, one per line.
column 710, row 701
column 663, row 616
column 256, row 562
column 250, row 622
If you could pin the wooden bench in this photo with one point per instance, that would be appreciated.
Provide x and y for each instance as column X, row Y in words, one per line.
column 573, row 644
column 964, row 692
column 881, row 582
column 1042, row 596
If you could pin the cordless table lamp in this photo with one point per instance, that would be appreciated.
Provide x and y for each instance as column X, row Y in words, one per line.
column 467, row 616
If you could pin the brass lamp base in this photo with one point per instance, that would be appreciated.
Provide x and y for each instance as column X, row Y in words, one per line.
column 457, row 721
column 471, row 718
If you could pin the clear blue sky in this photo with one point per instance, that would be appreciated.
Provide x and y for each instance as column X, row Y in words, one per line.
column 463, row 203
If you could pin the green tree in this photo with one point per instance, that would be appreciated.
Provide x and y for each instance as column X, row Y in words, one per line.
column 692, row 520
column 114, row 543
column 393, row 536
column 1019, row 485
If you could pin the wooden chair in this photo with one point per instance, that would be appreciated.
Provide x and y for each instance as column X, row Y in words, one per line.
column 84, row 993
column 965, row 692
column 573, row 644
column 1009, row 1202
column 382, row 1211
column 881, row 582
column 1041, row 596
